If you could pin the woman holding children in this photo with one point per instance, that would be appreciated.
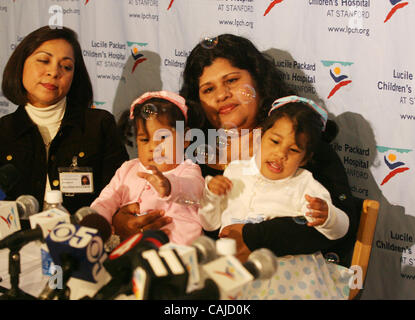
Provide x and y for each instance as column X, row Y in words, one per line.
column 233, row 86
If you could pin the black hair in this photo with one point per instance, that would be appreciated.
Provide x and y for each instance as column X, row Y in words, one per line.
column 86, row 179
column 242, row 54
column 306, row 121
column 80, row 94
column 167, row 112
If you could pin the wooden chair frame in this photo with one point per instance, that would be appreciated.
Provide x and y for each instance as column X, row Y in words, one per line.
column 363, row 244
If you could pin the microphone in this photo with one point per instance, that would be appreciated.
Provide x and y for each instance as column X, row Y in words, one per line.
column 9, row 218
column 124, row 259
column 20, row 238
column 9, row 176
column 81, row 213
column 210, row 291
column 88, row 217
column 14, row 243
column 14, row 214
column 231, row 275
column 261, row 263
column 27, row 206
column 201, row 251
column 162, row 275
column 205, row 249
column 79, row 251
column 48, row 220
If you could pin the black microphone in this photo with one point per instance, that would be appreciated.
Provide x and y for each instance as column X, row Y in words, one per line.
column 78, row 249
column 22, row 237
column 124, row 259
column 210, row 291
column 14, row 242
column 9, row 176
column 201, row 251
column 88, row 217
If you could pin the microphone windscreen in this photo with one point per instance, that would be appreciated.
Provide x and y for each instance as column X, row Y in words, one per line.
column 265, row 262
column 27, row 205
column 206, row 249
column 81, row 213
column 156, row 237
column 96, row 221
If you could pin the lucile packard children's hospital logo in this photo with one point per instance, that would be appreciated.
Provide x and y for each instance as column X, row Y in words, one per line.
column 136, row 53
column 97, row 104
column 396, row 5
column 393, row 161
column 271, row 5
column 338, row 73
column 9, row 220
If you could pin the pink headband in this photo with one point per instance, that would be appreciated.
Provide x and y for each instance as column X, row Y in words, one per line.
column 178, row 100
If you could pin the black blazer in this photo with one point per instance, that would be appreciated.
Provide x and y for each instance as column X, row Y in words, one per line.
column 88, row 134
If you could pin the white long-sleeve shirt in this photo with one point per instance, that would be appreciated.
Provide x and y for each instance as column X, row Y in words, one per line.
column 254, row 198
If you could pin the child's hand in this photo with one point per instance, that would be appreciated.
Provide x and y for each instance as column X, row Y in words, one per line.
column 220, row 185
column 157, row 180
column 319, row 211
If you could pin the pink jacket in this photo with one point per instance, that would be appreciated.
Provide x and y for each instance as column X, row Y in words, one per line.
column 126, row 187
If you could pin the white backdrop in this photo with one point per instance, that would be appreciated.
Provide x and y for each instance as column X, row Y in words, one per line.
column 363, row 47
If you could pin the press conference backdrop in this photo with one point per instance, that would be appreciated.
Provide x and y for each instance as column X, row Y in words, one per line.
column 356, row 57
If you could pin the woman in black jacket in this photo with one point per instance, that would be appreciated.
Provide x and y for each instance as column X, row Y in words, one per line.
column 54, row 132
column 229, row 84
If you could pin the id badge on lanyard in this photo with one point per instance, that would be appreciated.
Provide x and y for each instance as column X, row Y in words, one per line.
column 76, row 179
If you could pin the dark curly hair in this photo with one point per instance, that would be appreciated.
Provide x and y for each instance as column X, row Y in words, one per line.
column 167, row 112
column 242, row 54
column 80, row 94
column 305, row 121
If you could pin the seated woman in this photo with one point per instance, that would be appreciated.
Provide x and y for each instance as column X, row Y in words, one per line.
column 54, row 132
column 232, row 86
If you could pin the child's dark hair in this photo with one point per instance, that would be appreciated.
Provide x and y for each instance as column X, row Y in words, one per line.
column 305, row 121
column 167, row 113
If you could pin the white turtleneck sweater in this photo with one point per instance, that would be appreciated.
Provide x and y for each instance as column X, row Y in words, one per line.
column 48, row 121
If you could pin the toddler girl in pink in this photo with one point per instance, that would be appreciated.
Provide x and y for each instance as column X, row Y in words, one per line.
column 158, row 178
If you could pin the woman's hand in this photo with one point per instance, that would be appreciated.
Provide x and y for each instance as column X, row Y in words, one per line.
column 234, row 231
column 126, row 223
column 157, row 180
column 319, row 211
column 220, row 185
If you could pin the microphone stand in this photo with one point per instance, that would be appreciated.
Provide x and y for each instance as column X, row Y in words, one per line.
column 68, row 266
column 14, row 293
